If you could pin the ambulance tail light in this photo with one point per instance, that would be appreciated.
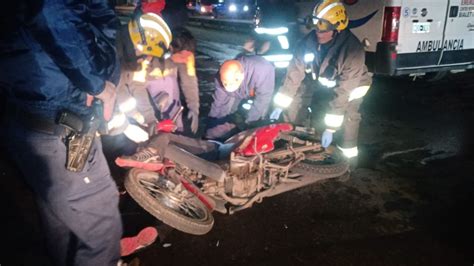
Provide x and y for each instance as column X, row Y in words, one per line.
column 391, row 23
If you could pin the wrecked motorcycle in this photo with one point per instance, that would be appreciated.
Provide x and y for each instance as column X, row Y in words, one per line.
column 253, row 164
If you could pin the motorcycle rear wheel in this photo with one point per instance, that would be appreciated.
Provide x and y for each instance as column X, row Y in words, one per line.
column 337, row 167
column 169, row 201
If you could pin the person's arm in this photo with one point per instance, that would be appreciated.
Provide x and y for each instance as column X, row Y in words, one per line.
column 222, row 102
column 64, row 32
column 187, row 79
column 263, row 93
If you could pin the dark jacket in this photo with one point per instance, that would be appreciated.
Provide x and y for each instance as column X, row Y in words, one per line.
column 51, row 59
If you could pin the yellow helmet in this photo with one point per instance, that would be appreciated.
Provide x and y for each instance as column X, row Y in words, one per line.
column 150, row 34
column 329, row 15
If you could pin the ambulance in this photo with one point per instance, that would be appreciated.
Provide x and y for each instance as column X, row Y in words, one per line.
column 412, row 37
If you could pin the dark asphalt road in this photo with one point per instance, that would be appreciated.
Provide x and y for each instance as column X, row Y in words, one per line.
column 410, row 203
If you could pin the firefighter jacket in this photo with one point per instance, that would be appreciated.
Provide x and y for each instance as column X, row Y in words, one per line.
column 258, row 83
column 172, row 76
column 342, row 69
column 66, row 51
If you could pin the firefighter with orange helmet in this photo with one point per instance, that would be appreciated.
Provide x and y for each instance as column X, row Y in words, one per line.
column 330, row 63
column 246, row 82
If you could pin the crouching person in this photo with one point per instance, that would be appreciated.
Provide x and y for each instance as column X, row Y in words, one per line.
column 244, row 84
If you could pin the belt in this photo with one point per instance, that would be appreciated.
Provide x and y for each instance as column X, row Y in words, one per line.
column 35, row 122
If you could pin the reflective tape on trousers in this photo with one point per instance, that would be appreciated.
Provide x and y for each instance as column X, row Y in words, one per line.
column 358, row 92
column 349, row 152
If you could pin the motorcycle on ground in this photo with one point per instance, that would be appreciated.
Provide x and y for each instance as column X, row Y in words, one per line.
column 254, row 164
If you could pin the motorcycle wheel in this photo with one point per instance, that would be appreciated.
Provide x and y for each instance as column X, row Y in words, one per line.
column 335, row 167
column 169, row 201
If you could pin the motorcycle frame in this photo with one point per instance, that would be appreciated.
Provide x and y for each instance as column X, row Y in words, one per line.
column 215, row 190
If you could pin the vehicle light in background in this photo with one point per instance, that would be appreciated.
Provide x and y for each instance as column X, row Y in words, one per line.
column 391, row 23
column 203, row 9
column 278, row 57
column 246, row 8
column 232, row 8
column 282, row 64
column 272, row 31
column 283, row 42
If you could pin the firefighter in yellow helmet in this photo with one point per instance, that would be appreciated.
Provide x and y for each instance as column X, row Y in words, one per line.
column 156, row 67
column 330, row 64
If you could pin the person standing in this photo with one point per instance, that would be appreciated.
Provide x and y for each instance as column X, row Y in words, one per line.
column 330, row 64
column 55, row 58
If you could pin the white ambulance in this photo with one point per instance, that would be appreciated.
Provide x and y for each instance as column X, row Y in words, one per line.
column 412, row 37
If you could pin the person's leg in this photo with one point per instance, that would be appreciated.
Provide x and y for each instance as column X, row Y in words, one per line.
column 351, row 124
column 351, row 132
column 75, row 206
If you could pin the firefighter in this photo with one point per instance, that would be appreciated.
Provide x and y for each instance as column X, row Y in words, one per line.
column 329, row 62
column 161, row 74
column 249, row 78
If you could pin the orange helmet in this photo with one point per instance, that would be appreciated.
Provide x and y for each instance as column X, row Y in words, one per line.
column 231, row 75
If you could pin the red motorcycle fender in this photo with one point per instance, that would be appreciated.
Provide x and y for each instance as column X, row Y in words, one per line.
column 210, row 203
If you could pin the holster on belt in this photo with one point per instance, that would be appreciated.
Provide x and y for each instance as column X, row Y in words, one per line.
column 81, row 138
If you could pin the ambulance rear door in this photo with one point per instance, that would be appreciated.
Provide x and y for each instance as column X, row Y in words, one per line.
column 458, row 42
column 420, row 39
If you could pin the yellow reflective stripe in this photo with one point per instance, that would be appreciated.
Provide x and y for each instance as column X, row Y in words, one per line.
column 140, row 76
column 333, row 120
column 190, row 66
column 349, row 152
column 282, row 100
column 157, row 73
column 358, row 92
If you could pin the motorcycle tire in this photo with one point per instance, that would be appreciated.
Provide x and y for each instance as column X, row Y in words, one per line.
column 337, row 168
column 169, row 201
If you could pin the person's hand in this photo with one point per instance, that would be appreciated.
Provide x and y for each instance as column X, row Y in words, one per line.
column 166, row 125
column 107, row 96
column 194, row 117
column 275, row 115
column 326, row 138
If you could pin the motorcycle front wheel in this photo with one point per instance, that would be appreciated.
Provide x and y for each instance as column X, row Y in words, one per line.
column 169, row 201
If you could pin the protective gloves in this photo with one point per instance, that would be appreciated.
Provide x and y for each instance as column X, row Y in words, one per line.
column 194, row 117
column 275, row 115
column 326, row 138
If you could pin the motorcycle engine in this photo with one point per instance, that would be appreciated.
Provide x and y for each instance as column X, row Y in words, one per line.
column 244, row 174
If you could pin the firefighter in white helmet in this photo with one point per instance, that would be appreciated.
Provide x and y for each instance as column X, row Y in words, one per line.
column 330, row 63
